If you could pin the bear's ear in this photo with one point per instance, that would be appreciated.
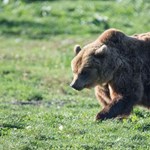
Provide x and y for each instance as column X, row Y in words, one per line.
column 77, row 49
column 101, row 51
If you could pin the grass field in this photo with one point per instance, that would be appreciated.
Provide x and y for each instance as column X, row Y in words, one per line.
column 38, row 109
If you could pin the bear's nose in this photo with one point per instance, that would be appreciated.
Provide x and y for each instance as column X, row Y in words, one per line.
column 72, row 85
column 75, row 86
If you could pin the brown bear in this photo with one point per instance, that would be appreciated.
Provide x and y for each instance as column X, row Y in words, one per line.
column 118, row 67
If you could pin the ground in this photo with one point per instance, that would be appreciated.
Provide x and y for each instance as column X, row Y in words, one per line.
column 38, row 109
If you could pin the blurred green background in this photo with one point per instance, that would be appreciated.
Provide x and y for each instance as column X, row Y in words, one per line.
column 44, row 19
column 38, row 109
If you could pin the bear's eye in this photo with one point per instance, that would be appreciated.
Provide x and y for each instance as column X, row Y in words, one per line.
column 84, row 72
column 100, row 56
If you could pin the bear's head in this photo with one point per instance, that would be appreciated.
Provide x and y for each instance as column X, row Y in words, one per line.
column 93, row 64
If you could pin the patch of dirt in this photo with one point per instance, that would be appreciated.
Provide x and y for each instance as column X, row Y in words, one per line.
column 54, row 102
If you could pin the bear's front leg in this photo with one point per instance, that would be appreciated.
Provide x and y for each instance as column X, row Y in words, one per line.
column 102, row 94
column 123, row 100
column 117, row 108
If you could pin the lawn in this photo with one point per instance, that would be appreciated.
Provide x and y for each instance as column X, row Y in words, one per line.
column 38, row 109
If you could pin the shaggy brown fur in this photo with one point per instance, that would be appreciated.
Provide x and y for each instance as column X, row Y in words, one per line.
column 118, row 67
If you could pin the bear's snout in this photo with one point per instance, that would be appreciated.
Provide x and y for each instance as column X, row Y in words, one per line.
column 76, row 85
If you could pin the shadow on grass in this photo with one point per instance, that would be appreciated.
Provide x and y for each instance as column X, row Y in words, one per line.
column 36, row 30
column 32, row 30
column 45, row 137
column 5, row 127
column 31, row 1
column 33, row 102
column 15, row 28
column 145, row 127
column 11, row 23
column 12, row 126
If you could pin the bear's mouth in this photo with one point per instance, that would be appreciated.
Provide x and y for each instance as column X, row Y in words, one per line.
column 89, row 86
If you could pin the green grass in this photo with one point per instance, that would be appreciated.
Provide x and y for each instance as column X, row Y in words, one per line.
column 38, row 109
